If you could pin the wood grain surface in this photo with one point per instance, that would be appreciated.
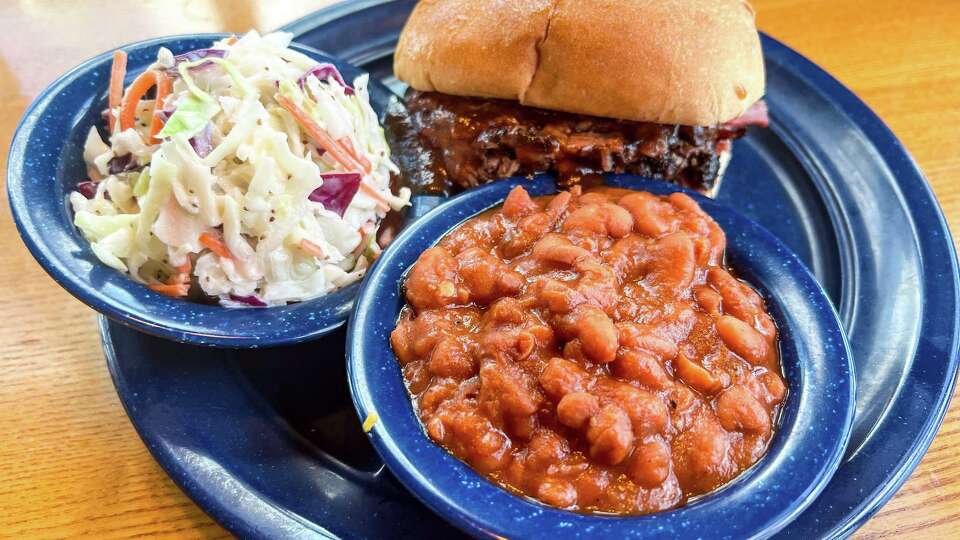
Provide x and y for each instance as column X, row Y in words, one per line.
column 71, row 464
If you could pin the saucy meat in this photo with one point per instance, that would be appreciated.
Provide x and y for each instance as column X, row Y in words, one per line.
column 448, row 143
column 589, row 350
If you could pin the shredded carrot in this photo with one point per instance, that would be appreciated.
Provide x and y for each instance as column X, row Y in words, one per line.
column 183, row 268
column 164, row 87
column 215, row 244
column 118, row 70
column 311, row 248
column 175, row 290
column 320, row 137
column 182, row 277
column 382, row 203
column 231, row 40
column 363, row 161
column 128, row 110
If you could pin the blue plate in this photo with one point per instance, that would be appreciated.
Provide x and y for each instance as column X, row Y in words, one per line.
column 44, row 167
column 804, row 454
column 828, row 179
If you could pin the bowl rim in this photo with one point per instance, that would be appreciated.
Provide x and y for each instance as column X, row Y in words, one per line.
column 404, row 451
column 177, row 320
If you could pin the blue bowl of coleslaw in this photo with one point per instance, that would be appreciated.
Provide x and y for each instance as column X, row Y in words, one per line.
column 278, row 222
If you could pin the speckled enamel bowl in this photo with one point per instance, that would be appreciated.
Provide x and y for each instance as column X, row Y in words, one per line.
column 46, row 163
column 804, row 454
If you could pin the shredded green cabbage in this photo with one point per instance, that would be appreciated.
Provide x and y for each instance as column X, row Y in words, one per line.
column 191, row 116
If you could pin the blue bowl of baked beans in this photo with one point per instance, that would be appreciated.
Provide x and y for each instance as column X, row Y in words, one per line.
column 631, row 359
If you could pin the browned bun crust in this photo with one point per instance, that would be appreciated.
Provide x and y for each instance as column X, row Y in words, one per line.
column 694, row 62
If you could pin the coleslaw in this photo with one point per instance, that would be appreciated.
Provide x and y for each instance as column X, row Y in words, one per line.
column 253, row 174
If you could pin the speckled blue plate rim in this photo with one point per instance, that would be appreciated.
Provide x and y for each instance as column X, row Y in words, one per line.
column 53, row 241
column 438, row 479
column 928, row 216
column 232, row 513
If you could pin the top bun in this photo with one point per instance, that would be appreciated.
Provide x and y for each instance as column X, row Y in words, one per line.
column 692, row 62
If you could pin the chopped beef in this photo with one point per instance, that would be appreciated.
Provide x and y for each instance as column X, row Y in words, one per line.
column 449, row 143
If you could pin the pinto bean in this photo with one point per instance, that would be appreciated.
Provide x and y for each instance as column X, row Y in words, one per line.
column 451, row 358
column 718, row 244
column 502, row 312
column 682, row 400
column 417, row 376
column 739, row 300
column 629, row 256
column 561, row 377
column 558, row 493
column 592, row 197
column 651, row 463
column 557, row 296
column 592, row 485
column 508, row 386
column 695, row 375
column 643, row 337
column 507, row 343
column 605, row 218
column 529, row 229
column 766, row 326
column 518, row 204
column 739, row 410
column 435, row 394
column 525, row 345
column 743, row 339
column 573, row 350
column 597, row 284
column 651, row 215
column 597, row 333
column 477, row 234
column 433, row 281
column 521, row 428
column 558, row 205
column 708, row 299
column 774, row 385
column 610, row 435
column 542, row 334
column 546, row 448
column 674, row 263
column 648, row 413
column 471, row 435
column 682, row 201
column 703, row 225
column 402, row 343
column 557, row 249
column 427, row 330
column 702, row 455
column 487, row 277
column 576, row 408
column 643, row 367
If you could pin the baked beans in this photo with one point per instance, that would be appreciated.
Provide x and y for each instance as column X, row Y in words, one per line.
column 590, row 350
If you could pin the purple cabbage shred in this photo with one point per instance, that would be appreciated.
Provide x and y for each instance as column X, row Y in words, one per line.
column 166, row 112
column 251, row 300
column 119, row 164
column 337, row 191
column 323, row 72
column 202, row 142
column 87, row 188
column 193, row 56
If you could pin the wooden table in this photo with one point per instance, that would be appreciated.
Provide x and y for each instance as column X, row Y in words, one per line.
column 71, row 463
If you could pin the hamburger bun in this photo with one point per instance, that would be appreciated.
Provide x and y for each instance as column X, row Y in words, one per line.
column 692, row 62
